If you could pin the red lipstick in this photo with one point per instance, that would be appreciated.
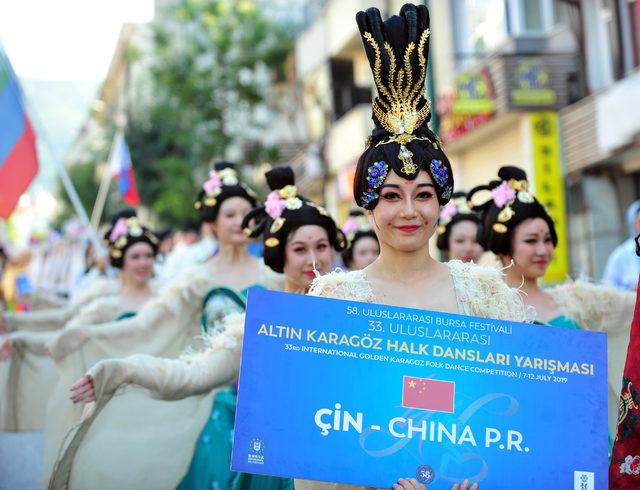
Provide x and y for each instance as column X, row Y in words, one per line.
column 408, row 229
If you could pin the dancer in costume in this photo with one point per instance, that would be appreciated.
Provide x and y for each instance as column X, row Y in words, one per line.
column 299, row 239
column 402, row 180
column 155, row 440
column 55, row 318
column 624, row 471
column 458, row 230
column 518, row 229
column 30, row 376
column 132, row 250
column 93, row 287
column 363, row 244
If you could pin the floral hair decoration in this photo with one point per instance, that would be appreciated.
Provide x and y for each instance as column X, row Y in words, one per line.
column 119, row 230
column 279, row 200
column 213, row 187
column 354, row 224
column 376, row 175
column 504, row 196
column 452, row 208
column 441, row 176
column 350, row 226
column 120, row 235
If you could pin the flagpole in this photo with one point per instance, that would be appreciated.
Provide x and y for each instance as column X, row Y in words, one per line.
column 41, row 134
column 75, row 200
column 105, row 183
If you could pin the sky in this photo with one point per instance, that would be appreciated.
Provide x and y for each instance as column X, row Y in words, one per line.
column 65, row 39
column 61, row 51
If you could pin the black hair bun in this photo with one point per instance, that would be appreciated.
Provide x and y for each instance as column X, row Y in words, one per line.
column 508, row 172
column 280, row 177
column 222, row 164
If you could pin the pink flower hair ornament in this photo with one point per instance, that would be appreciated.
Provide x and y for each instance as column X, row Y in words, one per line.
column 448, row 211
column 120, row 229
column 274, row 205
column 350, row 226
column 212, row 184
column 503, row 195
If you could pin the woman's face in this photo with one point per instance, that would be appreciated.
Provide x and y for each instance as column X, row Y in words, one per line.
column 462, row 242
column 228, row 224
column 407, row 212
column 365, row 251
column 532, row 248
column 138, row 262
column 166, row 245
column 306, row 248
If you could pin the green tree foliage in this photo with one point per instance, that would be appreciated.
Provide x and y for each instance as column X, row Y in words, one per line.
column 212, row 60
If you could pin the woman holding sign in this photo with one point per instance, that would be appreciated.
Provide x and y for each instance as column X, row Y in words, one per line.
column 402, row 180
column 520, row 231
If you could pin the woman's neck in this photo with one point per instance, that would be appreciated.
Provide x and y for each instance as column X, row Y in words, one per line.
column 133, row 287
column 291, row 287
column 393, row 263
column 232, row 253
column 515, row 279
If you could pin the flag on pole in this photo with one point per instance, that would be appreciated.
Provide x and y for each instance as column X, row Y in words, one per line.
column 18, row 155
column 122, row 169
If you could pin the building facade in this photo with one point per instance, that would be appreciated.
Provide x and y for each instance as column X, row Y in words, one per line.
column 601, row 132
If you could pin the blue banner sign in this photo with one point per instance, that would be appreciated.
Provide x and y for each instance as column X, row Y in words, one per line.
column 361, row 393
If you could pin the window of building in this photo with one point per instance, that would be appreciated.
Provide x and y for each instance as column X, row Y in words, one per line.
column 530, row 17
column 479, row 28
column 629, row 14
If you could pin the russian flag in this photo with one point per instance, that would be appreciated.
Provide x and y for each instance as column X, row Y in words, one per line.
column 122, row 169
column 18, row 155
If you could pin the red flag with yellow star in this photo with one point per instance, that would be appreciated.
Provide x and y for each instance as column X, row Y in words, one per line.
column 428, row 394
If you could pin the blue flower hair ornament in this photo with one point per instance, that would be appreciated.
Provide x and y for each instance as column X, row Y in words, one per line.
column 376, row 175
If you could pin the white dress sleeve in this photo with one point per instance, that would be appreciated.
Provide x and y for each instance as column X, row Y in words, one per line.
column 175, row 379
column 598, row 307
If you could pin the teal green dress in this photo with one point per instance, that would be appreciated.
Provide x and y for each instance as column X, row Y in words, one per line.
column 565, row 322
column 210, row 465
column 126, row 314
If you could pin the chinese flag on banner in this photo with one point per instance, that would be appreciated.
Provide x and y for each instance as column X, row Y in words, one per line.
column 428, row 394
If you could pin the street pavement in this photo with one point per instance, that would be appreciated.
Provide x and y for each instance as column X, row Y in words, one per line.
column 21, row 460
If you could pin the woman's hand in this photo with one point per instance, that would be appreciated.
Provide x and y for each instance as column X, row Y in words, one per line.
column 83, row 390
column 464, row 486
column 6, row 350
column 413, row 484
column 408, row 484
